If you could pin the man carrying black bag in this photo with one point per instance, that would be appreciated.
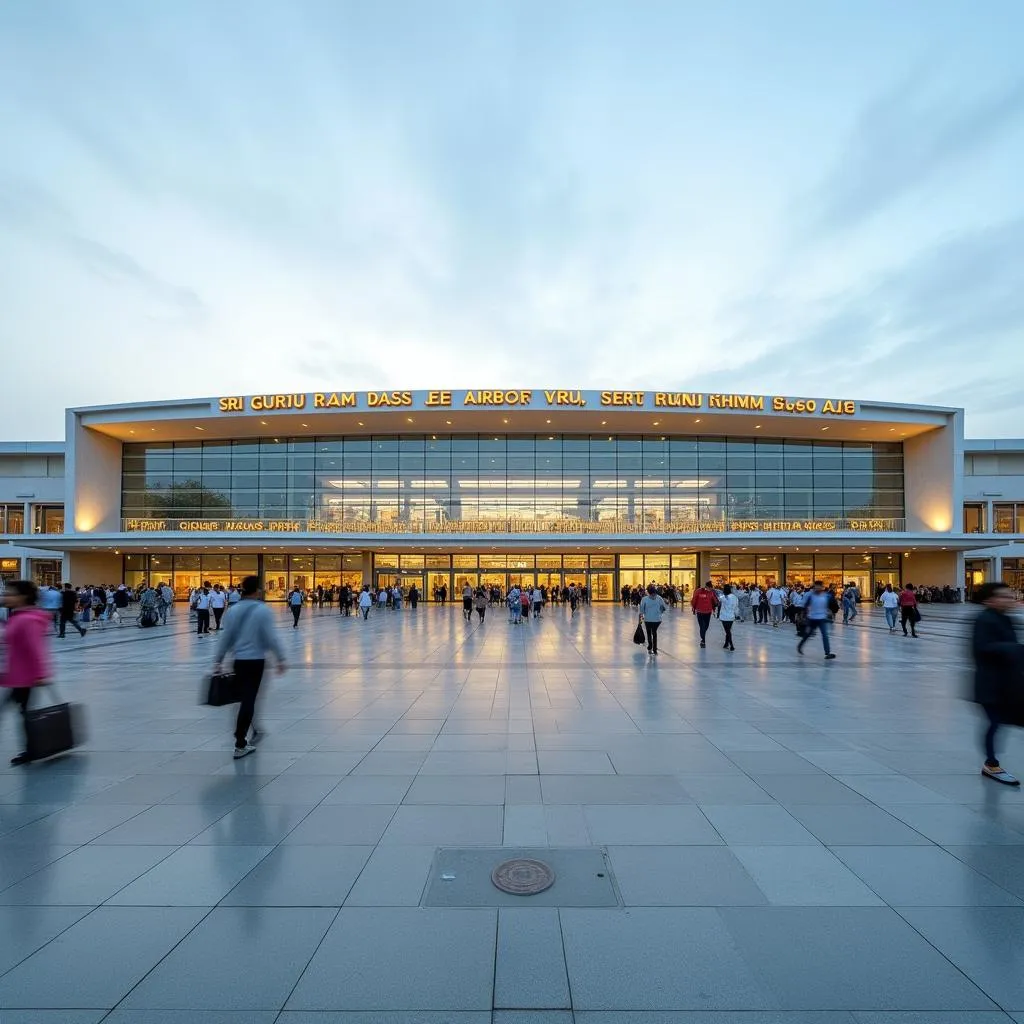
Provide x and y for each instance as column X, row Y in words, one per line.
column 248, row 634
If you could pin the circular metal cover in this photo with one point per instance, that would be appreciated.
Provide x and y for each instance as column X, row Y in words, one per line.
column 523, row 876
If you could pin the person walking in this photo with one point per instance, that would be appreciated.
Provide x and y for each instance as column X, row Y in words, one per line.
column 201, row 604
column 703, row 604
column 816, row 615
column 414, row 597
column 249, row 636
column 776, row 603
column 537, row 599
column 218, row 602
column 68, row 606
column 908, row 610
column 849, row 603
column 728, row 612
column 515, row 605
column 998, row 667
column 467, row 602
column 745, row 603
column 652, row 609
column 365, row 601
column 234, row 596
column 49, row 601
column 890, row 602
column 27, row 659
column 295, row 601
column 480, row 603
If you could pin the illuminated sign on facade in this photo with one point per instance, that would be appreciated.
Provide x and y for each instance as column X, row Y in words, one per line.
column 522, row 398
column 510, row 526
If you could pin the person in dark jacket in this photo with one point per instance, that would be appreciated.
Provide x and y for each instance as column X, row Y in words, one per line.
column 68, row 604
column 998, row 669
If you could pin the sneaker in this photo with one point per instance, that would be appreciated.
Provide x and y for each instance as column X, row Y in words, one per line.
column 703, row 644
column 244, row 751
column 20, row 759
column 829, row 657
column 992, row 771
column 800, row 648
column 255, row 736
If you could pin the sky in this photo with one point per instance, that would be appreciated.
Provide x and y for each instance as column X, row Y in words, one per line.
column 800, row 197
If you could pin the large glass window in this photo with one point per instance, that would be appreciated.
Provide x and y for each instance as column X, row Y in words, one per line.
column 12, row 518
column 662, row 483
column 974, row 517
column 1008, row 517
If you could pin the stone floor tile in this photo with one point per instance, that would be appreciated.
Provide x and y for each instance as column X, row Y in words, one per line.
column 849, row 826
column 682, row 876
column 369, row 789
column 530, row 968
column 656, row 959
column 649, row 825
column 895, row 968
column 456, row 789
column 394, row 876
column 268, row 949
column 983, row 942
column 613, row 789
column 804, row 876
column 193, row 876
column 342, row 825
column 86, row 877
column 23, row 930
column 354, row 968
column 464, row 825
column 923, row 876
column 758, row 825
column 120, row 945
column 300, row 876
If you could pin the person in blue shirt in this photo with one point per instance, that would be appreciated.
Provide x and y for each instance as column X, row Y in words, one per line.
column 817, row 609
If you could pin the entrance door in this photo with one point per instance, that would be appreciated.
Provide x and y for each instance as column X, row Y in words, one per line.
column 883, row 576
column 488, row 580
column 522, row 580
column 602, row 586
column 435, row 581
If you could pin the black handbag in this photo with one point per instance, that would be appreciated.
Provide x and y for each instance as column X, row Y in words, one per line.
column 52, row 730
column 220, row 689
column 640, row 637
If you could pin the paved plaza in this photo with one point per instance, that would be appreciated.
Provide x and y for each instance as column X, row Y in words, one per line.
column 748, row 838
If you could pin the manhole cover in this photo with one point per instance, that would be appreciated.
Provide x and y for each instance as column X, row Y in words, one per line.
column 523, row 876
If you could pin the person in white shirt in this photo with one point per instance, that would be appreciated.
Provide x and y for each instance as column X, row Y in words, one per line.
column 218, row 602
column 201, row 604
column 365, row 602
column 890, row 601
column 776, row 600
column 537, row 600
column 728, row 612
column 755, row 603
column 234, row 595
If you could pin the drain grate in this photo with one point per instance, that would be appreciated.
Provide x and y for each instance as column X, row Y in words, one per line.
column 523, row 876
column 511, row 877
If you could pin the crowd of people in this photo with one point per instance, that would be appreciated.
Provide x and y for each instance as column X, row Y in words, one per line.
column 249, row 635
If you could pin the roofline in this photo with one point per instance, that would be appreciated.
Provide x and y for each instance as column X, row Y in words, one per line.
column 212, row 400
column 994, row 444
column 32, row 447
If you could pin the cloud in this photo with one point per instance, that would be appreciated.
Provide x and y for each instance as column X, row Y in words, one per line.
column 904, row 138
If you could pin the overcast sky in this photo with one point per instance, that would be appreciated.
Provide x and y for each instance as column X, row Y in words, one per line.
column 206, row 197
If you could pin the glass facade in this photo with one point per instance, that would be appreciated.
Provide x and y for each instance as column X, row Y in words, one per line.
column 426, row 478
column 12, row 519
column 1008, row 517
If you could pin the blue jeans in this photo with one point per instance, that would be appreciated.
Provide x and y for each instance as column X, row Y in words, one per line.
column 810, row 625
column 849, row 610
column 891, row 616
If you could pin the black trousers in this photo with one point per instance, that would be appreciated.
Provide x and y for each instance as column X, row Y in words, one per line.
column 651, row 629
column 65, row 618
column 908, row 617
column 727, row 626
column 203, row 620
column 989, row 738
column 249, row 674
column 703, row 621
column 296, row 612
column 218, row 614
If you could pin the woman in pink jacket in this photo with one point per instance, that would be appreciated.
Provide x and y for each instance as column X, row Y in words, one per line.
column 26, row 658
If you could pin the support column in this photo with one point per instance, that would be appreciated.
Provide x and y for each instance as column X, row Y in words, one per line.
column 703, row 567
column 367, row 567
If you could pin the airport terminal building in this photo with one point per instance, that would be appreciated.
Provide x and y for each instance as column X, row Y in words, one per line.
column 495, row 487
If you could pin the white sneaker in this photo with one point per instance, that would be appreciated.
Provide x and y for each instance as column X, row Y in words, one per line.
column 244, row 751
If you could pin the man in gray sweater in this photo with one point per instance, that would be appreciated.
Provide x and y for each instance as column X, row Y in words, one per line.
column 248, row 634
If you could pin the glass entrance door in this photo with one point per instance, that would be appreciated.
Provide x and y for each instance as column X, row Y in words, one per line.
column 602, row 586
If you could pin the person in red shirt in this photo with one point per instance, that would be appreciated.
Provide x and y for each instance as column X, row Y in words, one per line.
column 704, row 602
column 908, row 610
